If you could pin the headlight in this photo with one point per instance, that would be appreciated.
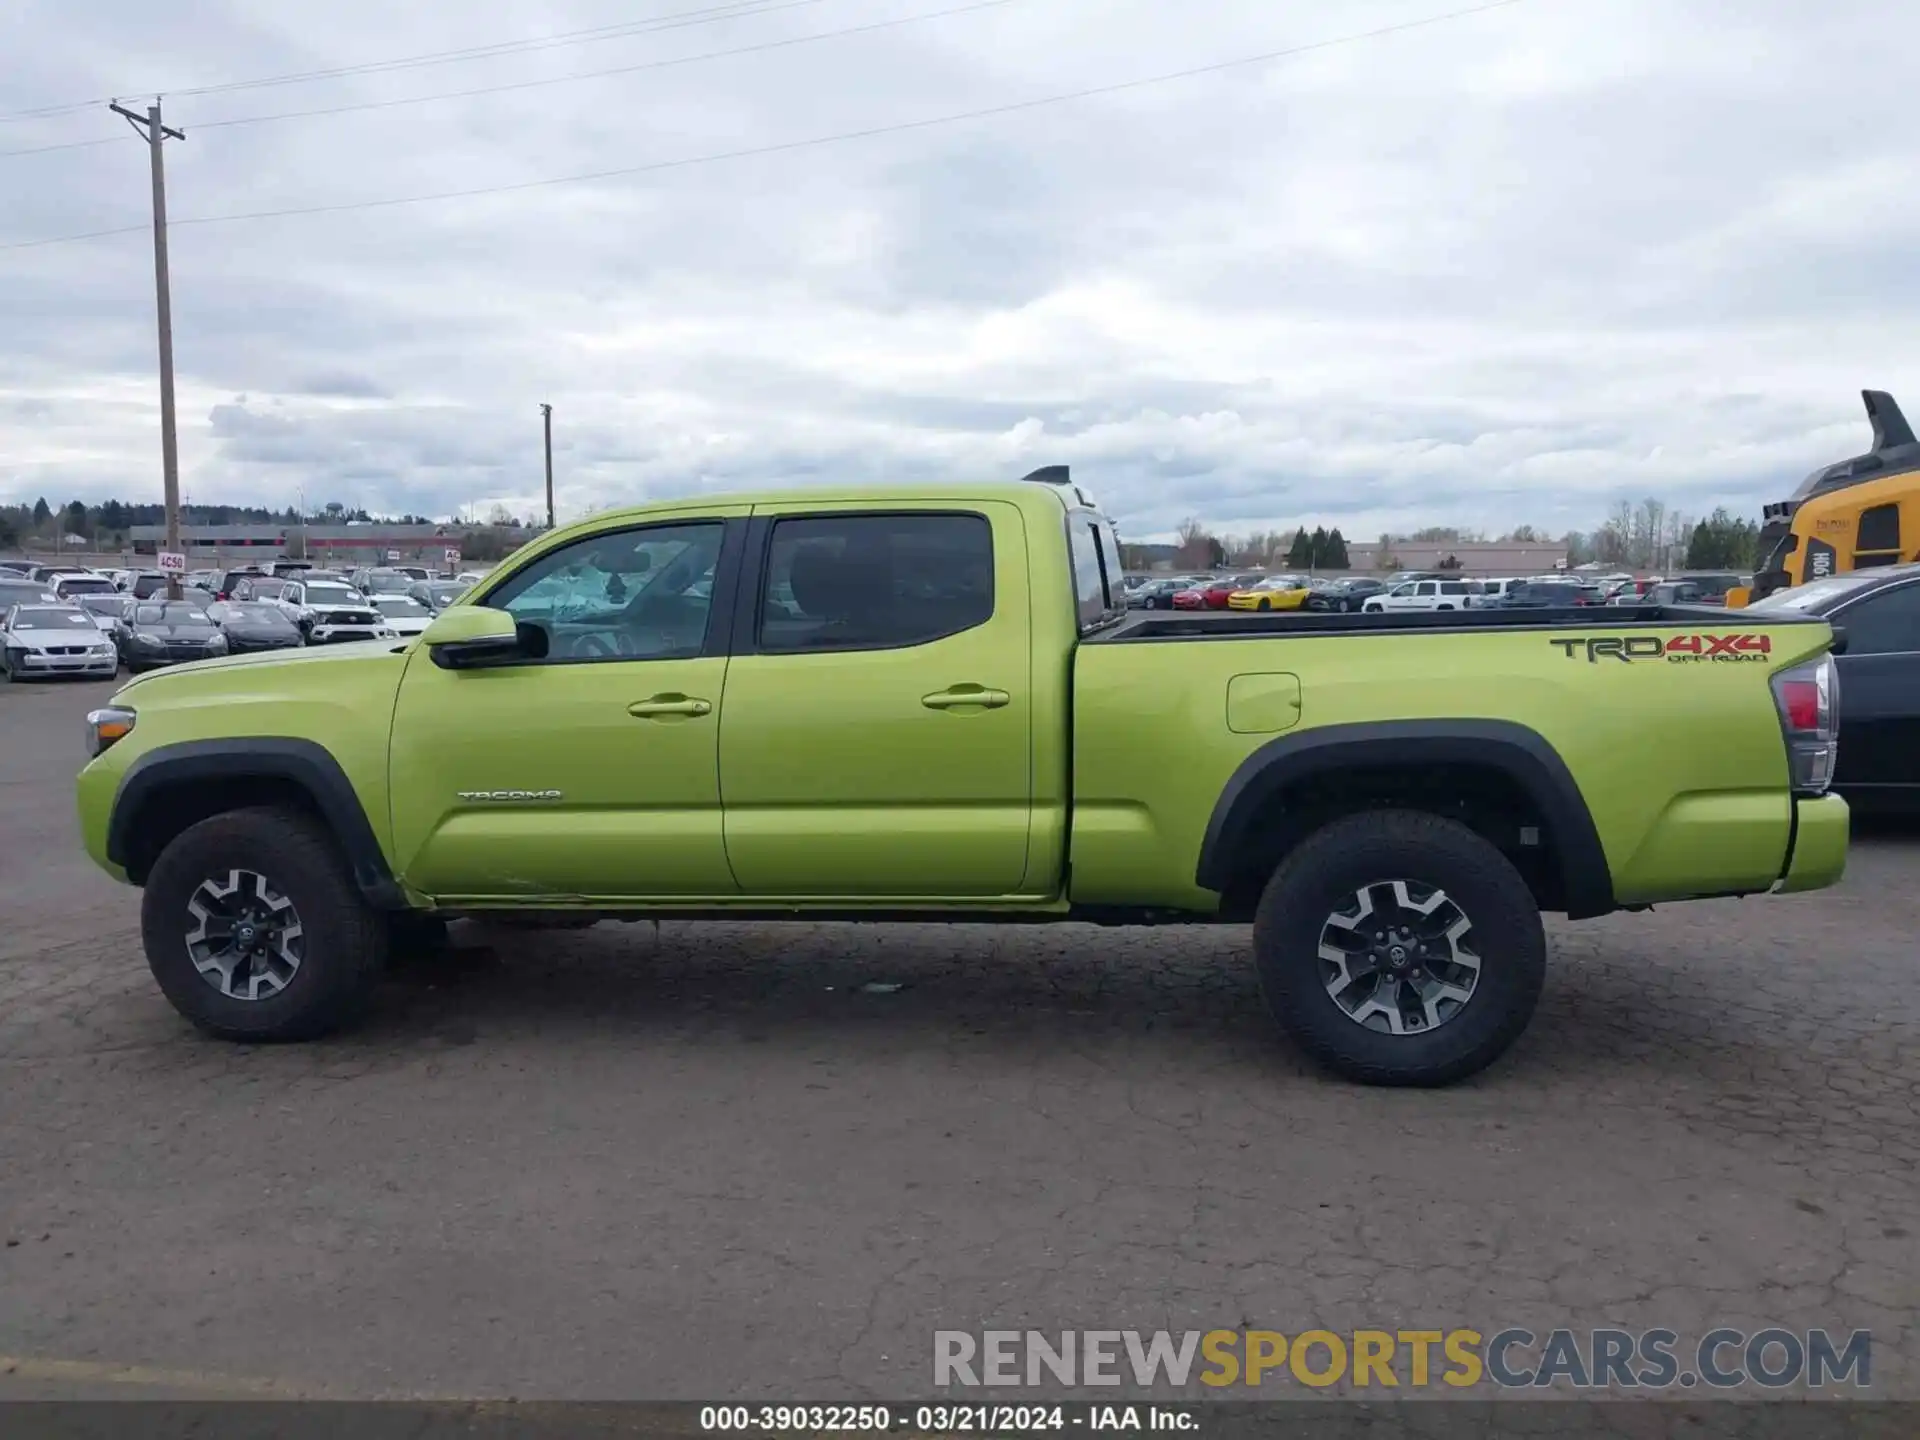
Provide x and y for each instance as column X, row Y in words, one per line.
column 217, row 644
column 153, row 640
column 103, row 649
column 106, row 725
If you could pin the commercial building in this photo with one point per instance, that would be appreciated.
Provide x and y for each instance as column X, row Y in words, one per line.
column 371, row 543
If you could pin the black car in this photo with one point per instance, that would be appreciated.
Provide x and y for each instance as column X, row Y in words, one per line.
column 1877, row 614
column 1546, row 595
column 1669, row 592
column 437, row 595
column 222, row 582
column 254, row 625
column 1344, row 595
column 166, row 632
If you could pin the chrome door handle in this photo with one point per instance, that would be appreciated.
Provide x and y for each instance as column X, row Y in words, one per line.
column 669, row 705
column 962, row 697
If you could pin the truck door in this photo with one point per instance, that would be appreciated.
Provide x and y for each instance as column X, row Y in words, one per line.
column 591, row 772
column 877, row 739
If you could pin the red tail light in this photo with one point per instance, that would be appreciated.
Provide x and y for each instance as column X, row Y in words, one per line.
column 1800, row 704
column 1808, row 698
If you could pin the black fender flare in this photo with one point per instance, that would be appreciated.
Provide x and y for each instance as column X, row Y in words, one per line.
column 302, row 762
column 1516, row 751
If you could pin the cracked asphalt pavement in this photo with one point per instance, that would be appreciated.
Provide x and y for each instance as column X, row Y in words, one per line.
column 711, row 1162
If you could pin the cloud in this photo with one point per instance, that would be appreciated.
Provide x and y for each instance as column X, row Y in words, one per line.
column 1502, row 269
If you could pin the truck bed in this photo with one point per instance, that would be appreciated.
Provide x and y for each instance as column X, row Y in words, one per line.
column 1243, row 625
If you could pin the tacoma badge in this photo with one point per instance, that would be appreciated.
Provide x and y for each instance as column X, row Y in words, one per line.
column 509, row 794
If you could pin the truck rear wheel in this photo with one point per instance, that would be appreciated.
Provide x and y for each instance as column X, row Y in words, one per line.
column 1400, row 948
column 255, row 930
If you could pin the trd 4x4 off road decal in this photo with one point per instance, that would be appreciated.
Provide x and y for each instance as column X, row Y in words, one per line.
column 1681, row 649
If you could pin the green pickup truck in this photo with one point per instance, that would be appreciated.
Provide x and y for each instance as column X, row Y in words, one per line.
column 929, row 702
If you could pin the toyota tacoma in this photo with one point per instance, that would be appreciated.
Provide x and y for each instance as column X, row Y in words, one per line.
column 930, row 702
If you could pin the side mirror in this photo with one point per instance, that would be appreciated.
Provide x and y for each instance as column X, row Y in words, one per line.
column 468, row 637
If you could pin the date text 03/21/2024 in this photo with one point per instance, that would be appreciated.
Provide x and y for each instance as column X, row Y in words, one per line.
column 962, row 1418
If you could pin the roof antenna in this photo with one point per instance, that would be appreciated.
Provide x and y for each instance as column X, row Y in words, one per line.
column 1890, row 428
column 1057, row 474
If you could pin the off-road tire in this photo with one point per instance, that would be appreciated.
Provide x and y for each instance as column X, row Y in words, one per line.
column 1378, row 846
column 345, row 940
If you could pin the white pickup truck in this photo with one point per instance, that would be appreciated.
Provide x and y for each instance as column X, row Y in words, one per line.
column 1423, row 595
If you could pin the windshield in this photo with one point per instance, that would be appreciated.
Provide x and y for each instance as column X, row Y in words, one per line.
column 177, row 612
column 38, row 618
column 104, row 604
column 446, row 593
column 254, row 613
column 86, row 585
column 22, row 594
column 388, row 582
column 334, row 595
column 399, row 605
column 266, row 589
column 1814, row 594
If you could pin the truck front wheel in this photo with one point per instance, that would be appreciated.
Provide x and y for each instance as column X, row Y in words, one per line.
column 1400, row 948
column 255, row 930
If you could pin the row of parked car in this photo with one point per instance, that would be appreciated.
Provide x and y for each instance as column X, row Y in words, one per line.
column 1416, row 590
column 56, row 621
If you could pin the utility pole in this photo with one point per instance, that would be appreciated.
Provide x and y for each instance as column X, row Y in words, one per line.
column 156, row 134
column 546, row 419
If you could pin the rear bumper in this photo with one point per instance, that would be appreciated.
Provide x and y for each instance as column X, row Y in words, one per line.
column 1819, row 855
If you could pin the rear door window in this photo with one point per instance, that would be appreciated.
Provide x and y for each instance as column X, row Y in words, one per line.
column 875, row 582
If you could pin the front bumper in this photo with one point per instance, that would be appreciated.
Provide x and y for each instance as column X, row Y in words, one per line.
column 340, row 634
column 1819, row 858
column 34, row 662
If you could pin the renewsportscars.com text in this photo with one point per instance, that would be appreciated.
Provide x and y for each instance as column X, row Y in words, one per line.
column 1514, row 1358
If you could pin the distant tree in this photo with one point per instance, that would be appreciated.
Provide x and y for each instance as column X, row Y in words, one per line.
column 1197, row 546
column 42, row 513
column 1300, row 553
column 1721, row 542
column 1521, row 535
column 1334, row 556
column 1317, row 548
column 1437, row 535
column 9, row 531
column 75, row 518
column 113, row 515
column 1383, row 557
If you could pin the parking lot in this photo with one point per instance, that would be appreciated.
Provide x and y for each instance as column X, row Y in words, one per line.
column 766, row 1161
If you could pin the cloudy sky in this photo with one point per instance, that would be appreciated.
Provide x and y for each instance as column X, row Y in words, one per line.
column 1507, row 266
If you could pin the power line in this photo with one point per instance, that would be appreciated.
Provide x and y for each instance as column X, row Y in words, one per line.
column 544, row 80
column 732, row 10
column 787, row 146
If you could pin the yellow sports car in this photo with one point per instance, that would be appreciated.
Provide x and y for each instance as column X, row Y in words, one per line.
column 1276, row 592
